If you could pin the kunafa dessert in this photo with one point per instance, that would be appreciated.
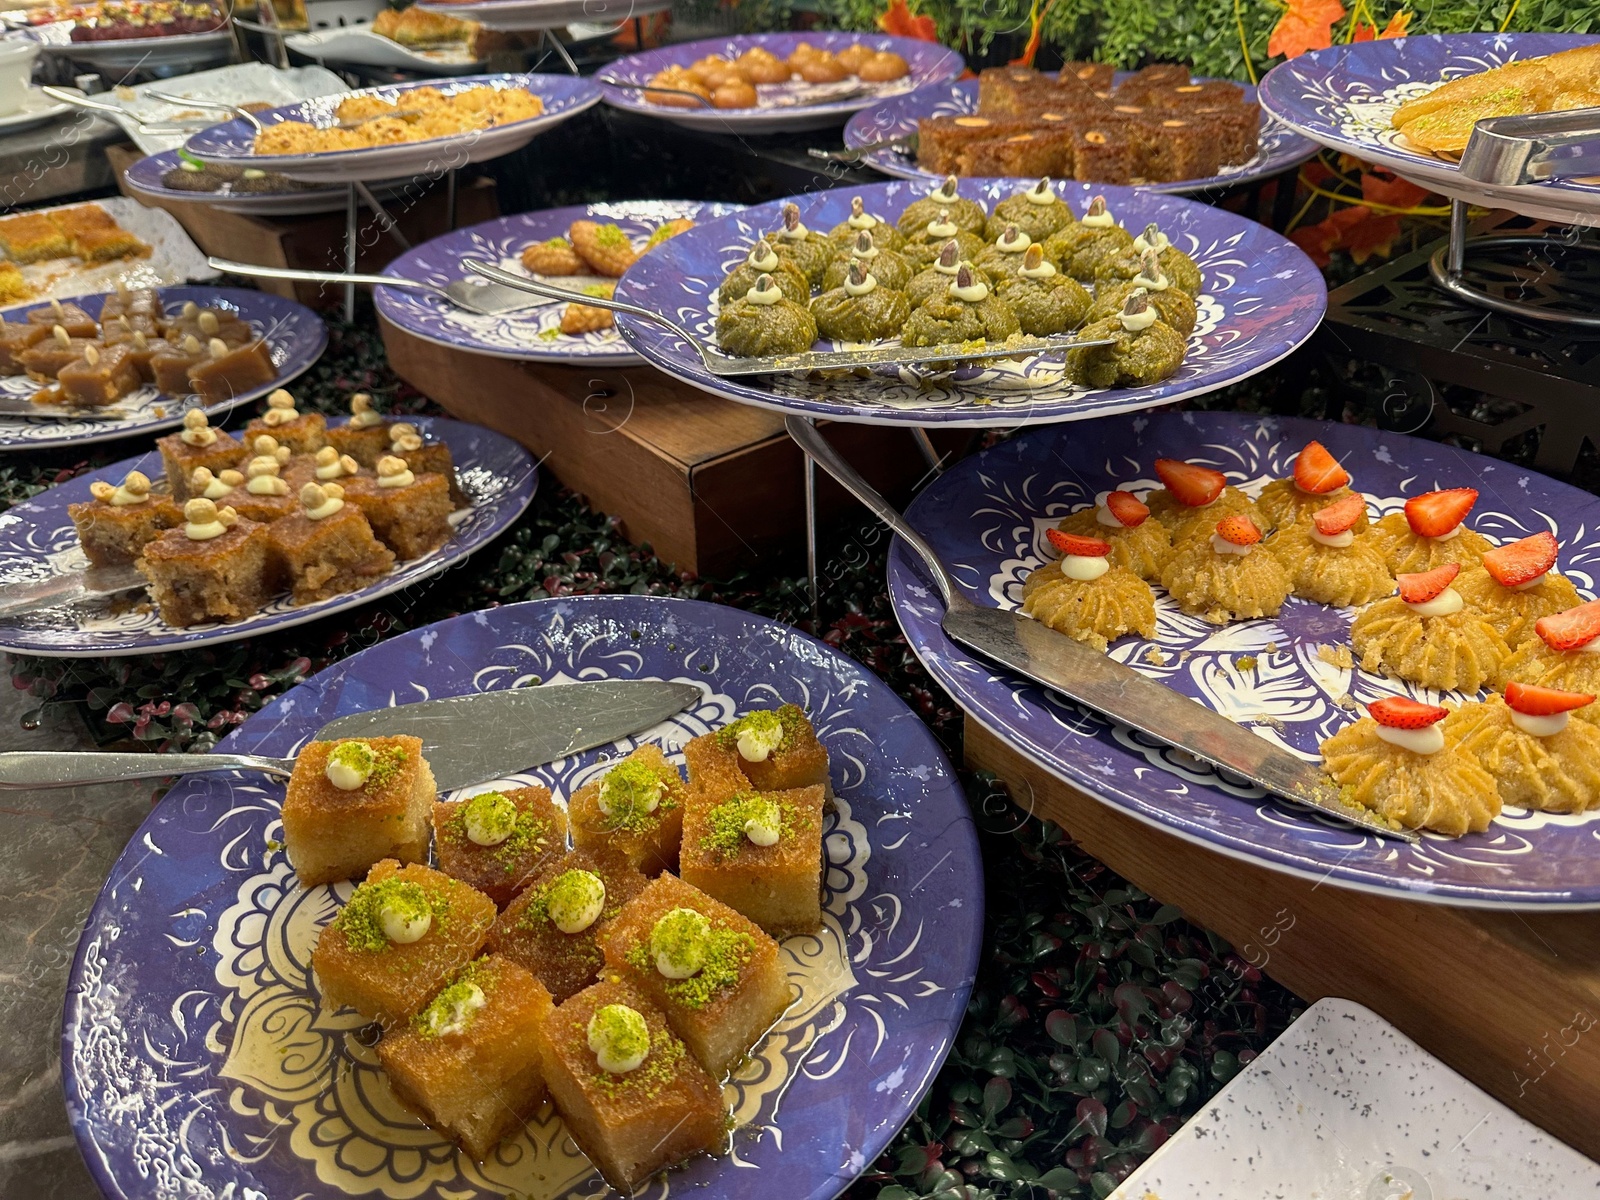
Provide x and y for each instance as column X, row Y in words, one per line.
column 764, row 323
column 1563, row 654
column 1427, row 635
column 969, row 311
column 1037, row 211
column 1403, row 764
column 398, row 941
column 303, row 433
column 1317, row 481
column 1229, row 576
column 806, row 248
column 861, row 309
column 1122, row 521
column 197, row 444
column 1430, row 532
column 1330, row 558
column 1143, row 348
column 635, row 808
column 764, row 260
column 469, row 1062
column 1195, row 498
column 1086, row 596
column 119, row 521
column 497, row 841
column 1516, row 584
column 215, row 566
column 713, row 972
column 760, row 853
column 886, row 266
column 884, row 235
column 1540, row 758
column 944, row 204
column 1173, row 305
column 1045, row 301
column 1095, row 238
column 352, row 803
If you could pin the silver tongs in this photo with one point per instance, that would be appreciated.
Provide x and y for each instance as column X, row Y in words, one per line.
column 1531, row 149
column 814, row 360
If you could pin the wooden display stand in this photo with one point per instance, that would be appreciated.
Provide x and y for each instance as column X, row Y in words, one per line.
column 708, row 483
column 314, row 242
column 1510, row 1000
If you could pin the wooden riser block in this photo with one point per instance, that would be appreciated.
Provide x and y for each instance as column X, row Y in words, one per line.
column 1510, row 1000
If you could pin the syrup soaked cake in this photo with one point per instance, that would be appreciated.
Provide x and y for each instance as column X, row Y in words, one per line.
column 354, row 802
column 365, row 436
column 119, row 522
column 216, row 566
column 777, row 750
column 760, row 853
column 303, row 433
column 498, row 841
column 636, row 808
column 327, row 547
column 409, row 511
column 197, row 444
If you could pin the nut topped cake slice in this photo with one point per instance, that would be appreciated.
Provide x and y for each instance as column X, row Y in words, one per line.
column 777, row 749
column 216, row 566
column 426, row 457
column 197, row 444
column 327, row 547
column 498, row 841
column 365, row 436
column 636, row 808
column 759, row 853
column 303, row 433
column 352, row 803
column 408, row 510
column 119, row 522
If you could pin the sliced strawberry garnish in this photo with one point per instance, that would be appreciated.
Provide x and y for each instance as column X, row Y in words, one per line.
column 1531, row 700
column 1434, row 514
column 1402, row 712
column 1127, row 508
column 1422, row 586
column 1190, row 483
column 1317, row 471
column 1521, row 561
column 1339, row 516
column 1077, row 544
column 1239, row 530
column 1568, row 630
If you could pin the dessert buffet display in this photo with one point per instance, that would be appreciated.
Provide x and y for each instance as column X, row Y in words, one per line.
column 234, row 535
column 759, row 83
column 585, row 248
column 1409, row 104
column 1344, row 592
column 134, row 360
column 1172, row 290
column 612, row 965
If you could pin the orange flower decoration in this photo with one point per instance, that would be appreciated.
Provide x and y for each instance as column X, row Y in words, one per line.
column 1305, row 25
column 898, row 20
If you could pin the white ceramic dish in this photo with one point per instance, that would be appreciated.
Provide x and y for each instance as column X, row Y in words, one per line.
column 37, row 108
column 358, row 44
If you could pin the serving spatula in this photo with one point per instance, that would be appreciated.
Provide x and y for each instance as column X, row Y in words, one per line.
column 1093, row 679
column 68, row 587
column 466, row 739
column 473, row 295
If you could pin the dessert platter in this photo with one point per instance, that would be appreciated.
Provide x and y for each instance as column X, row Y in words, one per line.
column 1422, row 639
column 550, row 246
column 223, row 536
column 153, row 359
column 904, row 265
column 732, row 976
column 133, row 33
column 252, row 86
column 414, row 39
column 765, row 82
column 398, row 129
column 1157, row 128
column 1362, row 99
column 173, row 178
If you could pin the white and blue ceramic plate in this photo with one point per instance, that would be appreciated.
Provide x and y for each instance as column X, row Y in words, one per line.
column 37, row 539
column 776, row 108
column 146, row 175
column 1344, row 96
column 1280, row 147
column 295, row 335
column 233, row 142
column 193, row 1045
column 987, row 516
column 1345, row 1105
column 534, row 334
column 1262, row 298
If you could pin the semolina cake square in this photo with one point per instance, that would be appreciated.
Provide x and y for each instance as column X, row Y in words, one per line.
column 777, row 750
column 567, row 958
column 469, row 1062
column 498, row 841
column 32, row 237
column 197, row 445
column 114, row 534
column 759, row 853
column 222, row 578
column 363, row 958
column 409, row 512
column 636, row 807
column 631, row 1123
column 356, row 801
column 738, row 989
column 326, row 553
column 714, row 774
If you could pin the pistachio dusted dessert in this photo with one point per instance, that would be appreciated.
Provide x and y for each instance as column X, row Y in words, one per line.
column 1143, row 348
column 765, row 323
column 969, row 311
column 1037, row 211
column 764, row 260
column 806, row 248
column 636, row 808
column 945, row 203
column 924, row 247
column 1096, row 238
column 860, row 309
column 1182, row 270
column 216, row 566
column 1173, row 305
column 1046, row 301
column 884, row 235
column 776, row 749
column 355, row 802
column 118, row 522
column 935, row 279
column 886, row 266
column 497, row 841
column 760, row 853
column 1004, row 258
column 197, row 444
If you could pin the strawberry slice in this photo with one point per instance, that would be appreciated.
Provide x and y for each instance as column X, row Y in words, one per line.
column 1077, row 544
column 1422, row 586
column 1127, row 508
column 1239, row 530
column 1522, row 561
column 1434, row 514
column 1339, row 516
column 1402, row 712
column 1190, row 483
column 1568, row 630
column 1531, row 700
column 1316, row 471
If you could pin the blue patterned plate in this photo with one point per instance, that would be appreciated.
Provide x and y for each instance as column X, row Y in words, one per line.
column 1281, row 148
column 1344, row 96
column 534, row 334
column 193, row 1047
column 987, row 518
column 295, row 335
column 930, row 63
column 1262, row 298
column 145, row 177
column 37, row 540
column 233, row 142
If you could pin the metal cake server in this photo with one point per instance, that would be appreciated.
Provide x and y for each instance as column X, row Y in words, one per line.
column 23, row 406
column 473, row 295
column 1096, row 680
column 466, row 739
column 68, row 587
column 906, row 143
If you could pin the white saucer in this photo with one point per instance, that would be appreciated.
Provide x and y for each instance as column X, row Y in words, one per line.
column 37, row 108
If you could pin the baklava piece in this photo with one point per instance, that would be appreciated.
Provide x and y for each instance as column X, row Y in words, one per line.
column 636, row 808
column 216, row 566
column 497, row 841
column 327, row 547
column 356, row 802
column 116, row 526
column 760, row 853
column 364, row 437
column 303, row 433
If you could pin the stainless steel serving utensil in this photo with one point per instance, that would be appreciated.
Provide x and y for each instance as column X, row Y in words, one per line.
column 215, row 105
column 815, row 360
column 23, row 406
column 1096, row 680
column 467, row 740
column 1507, row 151
column 68, row 587
column 906, row 142
column 472, row 295
column 79, row 100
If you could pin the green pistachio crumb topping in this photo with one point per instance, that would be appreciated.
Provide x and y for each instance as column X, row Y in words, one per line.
column 627, row 791
column 453, row 1008
column 557, row 243
column 726, row 952
column 789, row 716
column 611, row 236
column 621, row 1030
column 656, row 1073
column 379, row 766
column 361, row 920
column 493, row 813
column 727, row 822
column 601, row 291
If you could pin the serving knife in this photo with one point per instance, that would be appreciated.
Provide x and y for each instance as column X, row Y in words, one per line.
column 68, row 587
column 467, row 740
column 1097, row 681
